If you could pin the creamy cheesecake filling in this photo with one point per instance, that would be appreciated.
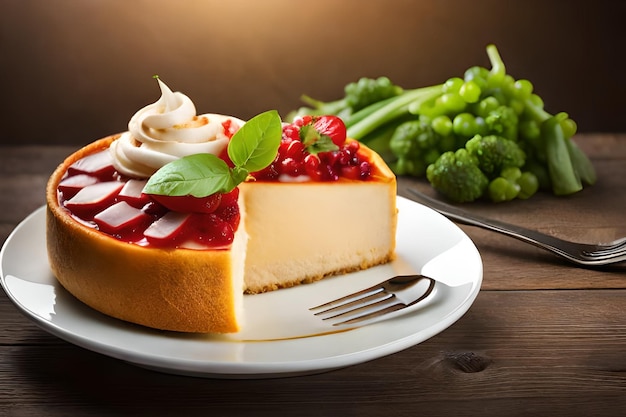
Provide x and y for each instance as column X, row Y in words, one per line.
column 302, row 232
column 238, row 254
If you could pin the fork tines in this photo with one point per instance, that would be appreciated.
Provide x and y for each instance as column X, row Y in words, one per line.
column 364, row 305
column 376, row 301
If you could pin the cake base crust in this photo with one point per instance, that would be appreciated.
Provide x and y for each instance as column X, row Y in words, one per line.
column 177, row 289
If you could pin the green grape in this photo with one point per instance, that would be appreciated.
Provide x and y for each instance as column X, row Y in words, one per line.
column 529, row 184
column 442, row 125
column 569, row 127
column 464, row 124
column 523, row 89
column 486, row 106
column 452, row 85
column 451, row 103
column 470, row 91
column 501, row 189
column 508, row 86
column 477, row 74
column 511, row 173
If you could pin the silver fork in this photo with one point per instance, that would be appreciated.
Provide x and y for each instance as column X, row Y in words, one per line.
column 379, row 300
column 579, row 253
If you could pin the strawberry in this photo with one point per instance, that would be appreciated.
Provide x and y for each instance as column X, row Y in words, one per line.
column 121, row 217
column 331, row 126
column 189, row 203
column 168, row 229
column 99, row 165
column 93, row 198
column 133, row 194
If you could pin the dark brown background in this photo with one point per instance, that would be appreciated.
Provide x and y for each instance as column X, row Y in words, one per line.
column 74, row 70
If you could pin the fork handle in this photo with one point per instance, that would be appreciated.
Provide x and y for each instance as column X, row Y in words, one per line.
column 533, row 237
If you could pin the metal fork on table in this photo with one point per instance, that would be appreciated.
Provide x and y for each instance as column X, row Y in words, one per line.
column 580, row 253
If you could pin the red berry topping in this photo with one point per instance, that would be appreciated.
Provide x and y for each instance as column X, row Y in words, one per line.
column 295, row 150
column 331, row 126
column 316, row 146
column 300, row 121
column 210, row 230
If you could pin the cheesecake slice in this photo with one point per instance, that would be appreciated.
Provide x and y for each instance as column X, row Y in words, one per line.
column 300, row 232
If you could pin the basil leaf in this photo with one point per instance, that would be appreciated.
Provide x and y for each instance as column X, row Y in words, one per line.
column 198, row 175
column 255, row 144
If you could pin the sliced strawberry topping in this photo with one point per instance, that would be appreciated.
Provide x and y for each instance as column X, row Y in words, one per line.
column 167, row 231
column 122, row 217
column 93, row 199
column 73, row 184
column 99, row 165
column 132, row 193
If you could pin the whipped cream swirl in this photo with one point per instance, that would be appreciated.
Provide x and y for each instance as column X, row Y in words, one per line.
column 168, row 130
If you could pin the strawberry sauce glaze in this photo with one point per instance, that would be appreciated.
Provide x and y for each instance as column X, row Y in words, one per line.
column 99, row 197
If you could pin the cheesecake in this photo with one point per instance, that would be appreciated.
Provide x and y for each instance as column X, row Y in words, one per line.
column 123, row 241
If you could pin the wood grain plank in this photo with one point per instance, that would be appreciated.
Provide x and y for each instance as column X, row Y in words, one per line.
column 24, row 172
column 513, row 353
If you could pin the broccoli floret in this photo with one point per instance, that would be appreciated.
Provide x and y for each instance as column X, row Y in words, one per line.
column 366, row 91
column 457, row 176
column 414, row 144
column 411, row 137
column 495, row 153
column 502, row 121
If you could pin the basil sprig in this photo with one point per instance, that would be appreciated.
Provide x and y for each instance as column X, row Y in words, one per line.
column 253, row 147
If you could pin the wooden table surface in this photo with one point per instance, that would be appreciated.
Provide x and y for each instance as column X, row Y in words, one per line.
column 543, row 338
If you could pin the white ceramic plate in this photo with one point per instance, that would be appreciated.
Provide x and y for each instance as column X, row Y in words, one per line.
column 282, row 337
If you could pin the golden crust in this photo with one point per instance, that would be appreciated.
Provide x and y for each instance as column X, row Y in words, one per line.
column 137, row 284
